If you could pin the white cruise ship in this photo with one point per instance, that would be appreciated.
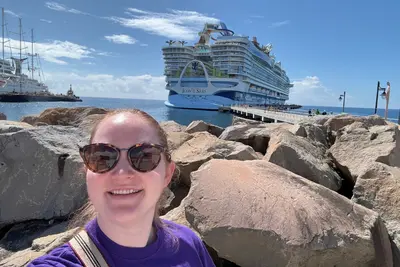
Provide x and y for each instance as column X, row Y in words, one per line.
column 231, row 70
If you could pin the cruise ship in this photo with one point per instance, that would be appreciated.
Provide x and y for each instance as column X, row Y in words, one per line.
column 230, row 70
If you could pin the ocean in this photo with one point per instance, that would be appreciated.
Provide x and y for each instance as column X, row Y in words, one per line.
column 156, row 108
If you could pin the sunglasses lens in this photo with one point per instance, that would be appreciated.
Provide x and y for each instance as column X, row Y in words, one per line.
column 145, row 158
column 100, row 158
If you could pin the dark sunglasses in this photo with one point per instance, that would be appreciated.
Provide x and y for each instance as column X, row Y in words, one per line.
column 101, row 158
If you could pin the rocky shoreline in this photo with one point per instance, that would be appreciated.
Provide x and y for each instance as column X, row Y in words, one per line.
column 324, row 192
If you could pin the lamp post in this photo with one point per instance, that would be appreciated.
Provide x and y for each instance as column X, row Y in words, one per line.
column 344, row 100
column 383, row 95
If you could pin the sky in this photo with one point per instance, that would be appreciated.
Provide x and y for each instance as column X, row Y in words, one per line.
column 113, row 48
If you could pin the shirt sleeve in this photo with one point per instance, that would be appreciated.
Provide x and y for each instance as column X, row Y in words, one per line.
column 204, row 254
column 62, row 256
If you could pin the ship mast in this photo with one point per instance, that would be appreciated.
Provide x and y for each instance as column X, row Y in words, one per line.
column 2, row 31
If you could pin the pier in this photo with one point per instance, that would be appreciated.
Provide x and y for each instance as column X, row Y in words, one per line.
column 267, row 115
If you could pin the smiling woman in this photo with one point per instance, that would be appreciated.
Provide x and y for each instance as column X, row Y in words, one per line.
column 128, row 165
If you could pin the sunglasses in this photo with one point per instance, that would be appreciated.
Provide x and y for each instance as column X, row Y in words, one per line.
column 101, row 158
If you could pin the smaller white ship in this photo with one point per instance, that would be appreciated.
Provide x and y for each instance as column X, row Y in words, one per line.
column 11, row 77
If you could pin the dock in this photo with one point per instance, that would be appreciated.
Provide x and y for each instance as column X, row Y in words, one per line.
column 267, row 115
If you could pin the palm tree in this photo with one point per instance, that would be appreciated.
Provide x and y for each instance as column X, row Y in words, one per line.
column 182, row 42
column 170, row 42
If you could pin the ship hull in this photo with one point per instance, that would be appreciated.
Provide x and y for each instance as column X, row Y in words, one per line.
column 36, row 98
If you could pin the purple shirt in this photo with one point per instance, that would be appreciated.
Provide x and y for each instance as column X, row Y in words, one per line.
column 187, row 250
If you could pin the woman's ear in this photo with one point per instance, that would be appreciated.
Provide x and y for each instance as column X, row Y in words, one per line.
column 169, row 173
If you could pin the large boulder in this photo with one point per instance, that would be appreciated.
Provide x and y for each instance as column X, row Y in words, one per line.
column 172, row 126
column 41, row 173
column 13, row 126
column 30, row 119
column 201, row 126
column 3, row 116
column 203, row 147
column 256, row 136
column 300, row 156
column 337, row 122
column 68, row 116
column 255, row 213
column 378, row 188
column 356, row 147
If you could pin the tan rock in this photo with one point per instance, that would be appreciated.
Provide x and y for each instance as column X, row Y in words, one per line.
column 298, row 155
column 68, row 116
column 378, row 188
column 201, row 126
column 203, row 147
column 176, row 139
column 256, row 136
column 239, row 120
column 13, row 126
column 357, row 148
column 255, row 213
column 172, row 126
column 340, row 121
column 3, row 116
column 30, row 119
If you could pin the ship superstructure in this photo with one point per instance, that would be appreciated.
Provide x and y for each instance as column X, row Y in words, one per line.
column 231, row 70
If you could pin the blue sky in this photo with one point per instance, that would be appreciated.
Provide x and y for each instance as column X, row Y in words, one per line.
column 113, row 48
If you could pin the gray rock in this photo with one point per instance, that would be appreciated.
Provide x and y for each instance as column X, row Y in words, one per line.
column 13, row 126
column 3, row 116
column 41, row 173
column 201, row 126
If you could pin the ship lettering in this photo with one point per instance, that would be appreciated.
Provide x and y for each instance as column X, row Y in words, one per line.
column 194, row 91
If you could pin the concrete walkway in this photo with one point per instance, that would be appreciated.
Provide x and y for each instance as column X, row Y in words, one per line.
column 265, row 115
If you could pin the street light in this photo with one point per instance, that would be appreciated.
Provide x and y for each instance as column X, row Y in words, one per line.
column 344, row 99
column 383, row 95
column 387, row 96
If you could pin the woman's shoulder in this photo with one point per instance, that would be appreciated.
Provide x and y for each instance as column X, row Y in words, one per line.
column 62, row 256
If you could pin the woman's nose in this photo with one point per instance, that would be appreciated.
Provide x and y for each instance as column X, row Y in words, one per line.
column 123, row 166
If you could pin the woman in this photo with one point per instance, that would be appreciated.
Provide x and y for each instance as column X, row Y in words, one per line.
column 128, row 166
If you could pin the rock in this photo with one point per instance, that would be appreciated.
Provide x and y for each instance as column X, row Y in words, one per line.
column 48, row 241
column 315, row 133
column 68, row 116
column 256, row 136
column 281, row 219
column 357, row 148
column 378, row 188
column 340, row 121
column 299, row 156
column 203, row 147
column 243, row 121
column 172, row 126
column 13, row 126
column 41, row 173
column 89, row 122
column 3, row 116
column 201, row 126
column 31, row 119
column 176, row 139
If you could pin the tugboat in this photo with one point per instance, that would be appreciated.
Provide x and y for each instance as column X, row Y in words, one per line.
column 44, row 96
column 15, row 86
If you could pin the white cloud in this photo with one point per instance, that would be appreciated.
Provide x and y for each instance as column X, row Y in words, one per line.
column 310, row 91
column 121, row 39
column 45, row 20
column 11, row 13
column 174, row 24
column 279, row 24
column 106, row 85
column 257, row 17
column 60, row 7
column 54, row 51
column 144, row 45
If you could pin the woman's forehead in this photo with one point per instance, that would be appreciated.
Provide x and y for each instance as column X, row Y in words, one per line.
column 123, row 128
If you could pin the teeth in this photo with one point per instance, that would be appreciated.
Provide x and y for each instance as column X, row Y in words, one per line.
column 124, row 192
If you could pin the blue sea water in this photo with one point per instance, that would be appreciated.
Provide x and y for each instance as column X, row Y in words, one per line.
column 156, row 108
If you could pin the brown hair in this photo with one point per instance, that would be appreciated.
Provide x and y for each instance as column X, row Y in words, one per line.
column 87, row 212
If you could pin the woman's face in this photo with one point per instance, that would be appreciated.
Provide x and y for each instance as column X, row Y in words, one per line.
column 124, row 194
